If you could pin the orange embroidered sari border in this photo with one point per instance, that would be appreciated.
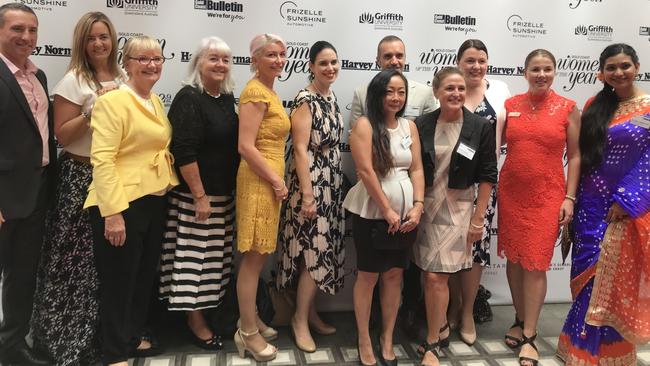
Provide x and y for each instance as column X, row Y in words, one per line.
column 581, row 280
column 616, row 354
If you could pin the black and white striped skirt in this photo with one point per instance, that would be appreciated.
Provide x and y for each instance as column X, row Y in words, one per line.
column 197, row 256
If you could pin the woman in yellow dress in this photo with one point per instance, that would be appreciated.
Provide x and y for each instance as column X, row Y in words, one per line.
column 263, row 129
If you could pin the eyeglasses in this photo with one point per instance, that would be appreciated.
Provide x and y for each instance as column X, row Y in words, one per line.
column 143, row 60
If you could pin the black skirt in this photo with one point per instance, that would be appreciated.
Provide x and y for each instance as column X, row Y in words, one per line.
column 370, row 259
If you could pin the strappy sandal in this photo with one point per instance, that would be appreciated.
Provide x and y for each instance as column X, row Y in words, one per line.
column 511, row 341
column 434, row 348
column 527, row 361
column 442, row 343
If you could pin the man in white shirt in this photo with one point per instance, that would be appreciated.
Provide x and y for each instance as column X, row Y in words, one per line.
column 391, row 54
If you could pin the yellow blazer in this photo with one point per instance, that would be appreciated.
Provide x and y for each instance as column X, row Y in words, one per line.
column 129, row 153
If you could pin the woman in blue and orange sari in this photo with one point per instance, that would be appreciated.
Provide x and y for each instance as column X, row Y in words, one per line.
column 610, row 272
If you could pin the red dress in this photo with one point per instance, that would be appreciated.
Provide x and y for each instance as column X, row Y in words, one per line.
column 532, row 183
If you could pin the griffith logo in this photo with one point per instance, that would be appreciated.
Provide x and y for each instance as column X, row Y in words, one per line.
column 581, row 29
column 115, row 3
column 644, row 31
column 366, row 18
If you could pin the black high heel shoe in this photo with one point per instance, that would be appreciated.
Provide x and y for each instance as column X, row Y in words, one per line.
column 514, row 342
column 442, row 342
column 213, row 343
column 382, row 360
column 527, row 361
column 434, row 348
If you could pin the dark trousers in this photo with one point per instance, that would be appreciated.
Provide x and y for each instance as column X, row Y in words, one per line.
column 20, row 250
column 126, row 274
column 412, row 296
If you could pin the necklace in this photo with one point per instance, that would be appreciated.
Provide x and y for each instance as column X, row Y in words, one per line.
column 213, row 95
column 324, row 95
column 535, row 106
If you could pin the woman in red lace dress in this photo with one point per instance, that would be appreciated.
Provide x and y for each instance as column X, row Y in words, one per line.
column 533, row 198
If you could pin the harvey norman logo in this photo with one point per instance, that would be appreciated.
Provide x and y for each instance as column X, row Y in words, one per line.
column 51, row 50
column 595, row 32
column 384, row 21
column 456, row 23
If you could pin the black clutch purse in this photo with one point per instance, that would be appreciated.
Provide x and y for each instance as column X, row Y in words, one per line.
column 380, row 238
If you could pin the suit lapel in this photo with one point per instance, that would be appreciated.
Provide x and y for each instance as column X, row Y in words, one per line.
column 12, row 83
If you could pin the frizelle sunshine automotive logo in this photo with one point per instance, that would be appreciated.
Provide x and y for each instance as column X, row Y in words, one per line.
column 456, row 23
column 523, row 28
column 135, row 7
column 573, row 4
column 383, row 21
column 295, row 15
column 226, row 10
column 45, row 5
column 595, row 32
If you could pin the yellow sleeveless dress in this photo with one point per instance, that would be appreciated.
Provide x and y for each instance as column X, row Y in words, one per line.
column 258, row 212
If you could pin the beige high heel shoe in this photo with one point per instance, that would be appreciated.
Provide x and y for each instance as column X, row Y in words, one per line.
column 267, row 354
column 268, row 333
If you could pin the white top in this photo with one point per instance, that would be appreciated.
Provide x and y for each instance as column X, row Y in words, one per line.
column 396, row 185
column 79, row 92
column 496, row 95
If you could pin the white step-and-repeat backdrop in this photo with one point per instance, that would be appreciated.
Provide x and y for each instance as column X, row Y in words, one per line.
column 575, row 31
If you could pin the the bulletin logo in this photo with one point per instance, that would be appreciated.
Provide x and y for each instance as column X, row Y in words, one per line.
column 456, row 23
column 225, row 10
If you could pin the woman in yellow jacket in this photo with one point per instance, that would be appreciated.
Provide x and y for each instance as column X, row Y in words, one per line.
column 132, row 171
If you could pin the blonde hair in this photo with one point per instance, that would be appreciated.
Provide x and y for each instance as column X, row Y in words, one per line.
column 137, row 44
column 259, row 42
column 79, row 62
column 205, row 45
column 443, row 74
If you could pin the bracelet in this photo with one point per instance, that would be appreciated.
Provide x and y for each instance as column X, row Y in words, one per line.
column 308, row 203
column 85, row 115
column 476, row 226
column 418, row 201
column 570, row 198
column 199, row 196
column 281, row 188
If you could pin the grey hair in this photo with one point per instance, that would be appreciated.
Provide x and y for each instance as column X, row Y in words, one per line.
column 207, row 44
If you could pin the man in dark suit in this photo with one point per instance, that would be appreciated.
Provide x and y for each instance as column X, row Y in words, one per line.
column 27, row 157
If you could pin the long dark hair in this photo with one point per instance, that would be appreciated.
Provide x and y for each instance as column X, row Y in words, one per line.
column 382, row 160
column 596, row 117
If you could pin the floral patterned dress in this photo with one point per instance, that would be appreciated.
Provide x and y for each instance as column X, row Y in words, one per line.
column 319, row 241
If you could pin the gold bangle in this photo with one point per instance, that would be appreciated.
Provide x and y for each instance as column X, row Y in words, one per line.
column 308, row 203
column 418, row 201
column 570, row 198
column 281, row 188
column 476, row 226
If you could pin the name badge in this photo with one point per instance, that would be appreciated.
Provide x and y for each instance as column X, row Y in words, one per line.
column 407, row 142
column 514, row 114
column 641, row 121
column 466, row 151
column 411, row 110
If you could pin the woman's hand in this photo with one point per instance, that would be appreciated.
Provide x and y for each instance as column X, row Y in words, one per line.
column 2, row 219
column 412, row 218
column 566, row 212
column 475, row 231
column 280, row 191
column 308, row 207
column 115, row 230
column 393, row 220
column 202, row 208
column 616, row 213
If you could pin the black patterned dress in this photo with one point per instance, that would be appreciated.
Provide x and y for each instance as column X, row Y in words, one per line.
column 319, row 240
column 481, row 249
